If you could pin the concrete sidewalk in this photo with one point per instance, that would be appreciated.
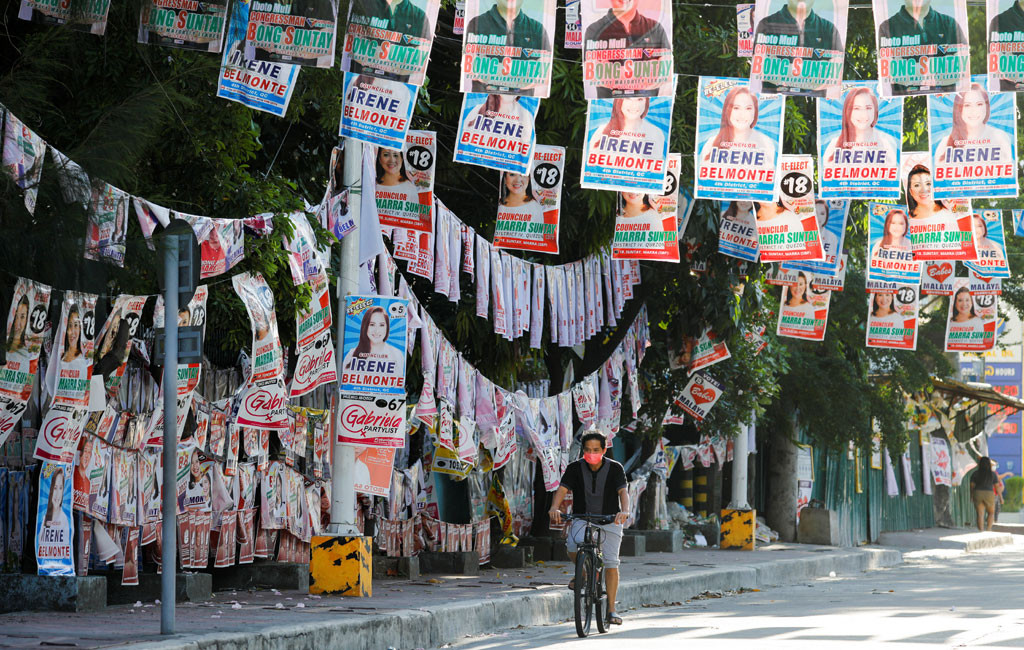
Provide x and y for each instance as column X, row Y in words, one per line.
column 965, row 540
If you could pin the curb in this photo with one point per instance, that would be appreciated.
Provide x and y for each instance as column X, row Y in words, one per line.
column 432, row 626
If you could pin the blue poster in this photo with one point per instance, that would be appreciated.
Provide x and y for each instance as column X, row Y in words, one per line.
column 377, row 111
column 991, row 245
column 831, row 216
column 859, row 137
column 737, row 230
column 890, row 257
column 627, row 144
column 497, row 131
column 973, row 141
column 374, row 345
column 739, row 137
column 54, row 527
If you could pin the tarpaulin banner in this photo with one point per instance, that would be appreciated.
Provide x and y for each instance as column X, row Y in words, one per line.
column 192, row 314
column 798, row 50
column 315, row 365
column 939, row 229
column 372, row 420
column 859, row 138
column 699, row 395
column 306, row 259
column 737, row 230
column 149, row 214
column 405, row 182
column 372, row 473
column 108, row 224
column 497, row 131
column 333, row 210
column 374, row 345
column 892, row 319
column 787, row 229
column 26, row 323
column 183, row 24
column 221, row 243
column 627, row 49
column 832, row 282
column 529, row 204
column 573, row 28
column 971, row 324
column 1005, row 45
column 627, row 144
column 941, row 461
column 459, row 20
column 79, row 15
column 831, row 217
column 739, row 138
column 645, row 223
column 507, row 48
column 299, row 33
column 376, row 111
column 803, row 310
column 745, row 30
column 23, row 155
column 990, row 244
column 938, row 278
column 261, row 85
column 70, row 368
column 390, row 41
column 973, row 139
column 695, row 354
column 922, row 47
column 114, row 341
column 889, row 253
column 54, row 523
column 263, row 403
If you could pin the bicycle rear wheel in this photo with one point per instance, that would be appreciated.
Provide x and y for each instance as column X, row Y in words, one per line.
column 583, row 599
column 600, row 600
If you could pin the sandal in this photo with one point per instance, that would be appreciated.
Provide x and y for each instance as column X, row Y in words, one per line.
column 614, row 619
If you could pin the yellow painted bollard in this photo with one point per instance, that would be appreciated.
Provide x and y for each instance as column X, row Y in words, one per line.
column 738, row 527
column 341, row 566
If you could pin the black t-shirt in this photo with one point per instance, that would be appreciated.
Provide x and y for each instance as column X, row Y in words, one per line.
column 984, row 481
column 594, row 493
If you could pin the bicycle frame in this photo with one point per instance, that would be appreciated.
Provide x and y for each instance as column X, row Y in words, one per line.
column 589, row 592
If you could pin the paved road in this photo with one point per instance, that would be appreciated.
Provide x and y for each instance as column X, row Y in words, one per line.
column 947, row 600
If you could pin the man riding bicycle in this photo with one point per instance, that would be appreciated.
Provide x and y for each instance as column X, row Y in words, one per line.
column 598, row 487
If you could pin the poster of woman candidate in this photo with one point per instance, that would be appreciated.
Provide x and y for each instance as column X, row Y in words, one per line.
column 803, row 309
column 627, row 48
column 890, row 257
column 1005, row 20
column 507, row 47
column 390, row 39
column 973, row 139
column 859, row 138
column 315, row 365
column 23, row 154
column 300, row 32
column 645, row 224
column 971, row 323
column 26, row 322
column 54, row 524
column 737, row 230
column 376, row 111
column 922, row 46
column 108, row 224
column 529, row 204
column 185, row 25
column 787, row 229
column 193, row 314
column 627, row 144
column 405, row 182
column 991, row 245
column 375, row 345
column 939, row 229
column 263, row 403
column 70, row 368
column 114, row 341
column 739, row 137
column 892, row 319
column 221, row 243
column 831, row 218
column 799, row 47
column 497, row 131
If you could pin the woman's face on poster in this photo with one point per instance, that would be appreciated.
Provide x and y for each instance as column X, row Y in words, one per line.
column 898, row 225
column 195, row 465
column 377, row 330
column 980, row 228
column 633, row 107
column 635, row 199
column 862, row 113
column 974, row 108
column 963, row 303
column 74, row 333
column 920, row 187
column 744, row 210
column 20, row 320
column 390, row 160
column 883, row 301
column 821, row 213
column 515, row 183
column 800, row 290
column 742, row 114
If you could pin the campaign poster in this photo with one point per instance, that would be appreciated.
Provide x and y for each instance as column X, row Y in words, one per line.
column 983, row 286
column 390, row 43
column 374, row 347
column 185, row 25
column 859, row 137
column 645, row 223
column 695, row 354
column 892, row 319
column 529, row 204
column 108, row 224
column 890, row 257
column 938, row 278
column 497, row 131
column 507, row 47
column 787, row 229
column 306, row 258
column 973, row 139
column 737, row 230
column 90, row 17
column 916, row 60
column 376, row 111
column 372, row 472
column 803, row 310
column 1005, row 22
column 799, row 47
column 372, row 420
column 939, row 229
column 573, row 29
column 71, row 366
column 627, row 48
column 114, row 341
column 971, row 322
column 54, row 523
column 23, row 154
column 745, row 30
column 831, row 217
column 699, row 395
column 221, row 243
column 316, row 363
column 26, row 324
column 739, row 138
column 405, row 182
column 627, row 144
column 260, row 85
column 263, row 403
column 297, row 33
column 833, row 282
column 990, row 244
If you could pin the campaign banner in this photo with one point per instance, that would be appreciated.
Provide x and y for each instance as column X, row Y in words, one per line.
column 1005, row 45
column 372, row 473
column 739, row 138
column 315, row 365
column 192, row 314
column 372, row 420
column 938, row 278
column 699, row 395
column 973, row 139
column 627, row 144
column 745, row 30
column 627, row 49
column 26, row 324
column 922, row 47
column 70, row 367
column 459, row 20
column 890, row 257
column 787, row 229
column 982, row 286
column 108, row 224
column 803, row 310
column 374, row 346
column 185, row 25
column 376, row 111
column 405, row 182
column 507, row 48
column 54, row 524
column 781, row 276
column 114, row 341
column 573, row 29
column 497, row 131
column 263, row 402
column 645, row 223
column 262, row 85
column 90, row 17
column 737, row 230
column 859, row 137
column 832, row 282
column 939, row 229
column 990, row 244
column 798, row 48
column 298, row 33
column 23, row 154
column 831, row 217
column 971, row 323
column 529, row 204
column 892, row 319
column 390, row 43
column 221, row 243
column 695, row 354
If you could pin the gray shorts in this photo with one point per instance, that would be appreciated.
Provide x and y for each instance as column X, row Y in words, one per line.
column 609, row 546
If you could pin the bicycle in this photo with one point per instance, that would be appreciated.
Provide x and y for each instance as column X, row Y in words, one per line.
column 589, row 597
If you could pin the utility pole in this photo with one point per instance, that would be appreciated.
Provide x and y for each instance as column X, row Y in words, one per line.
column 170, row 388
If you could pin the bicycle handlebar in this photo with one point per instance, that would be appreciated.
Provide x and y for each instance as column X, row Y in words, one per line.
column 594, row 519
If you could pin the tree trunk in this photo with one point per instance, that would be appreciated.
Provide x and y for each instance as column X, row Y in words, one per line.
column 780, row 506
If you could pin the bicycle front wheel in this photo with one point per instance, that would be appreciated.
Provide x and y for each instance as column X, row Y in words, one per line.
column 583, row 597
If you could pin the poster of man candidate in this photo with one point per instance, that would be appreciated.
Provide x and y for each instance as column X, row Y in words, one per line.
column 79, row 15
column 645, row 223
column 627, row 48
column 799, row 47
column 529, row 204
column 939, row 229
column 739, row 137
column 892, row 319
column 803, row 309
column 890, row 257
column 1005, row 20
column 26, row 323
column 405, row 182
column 627, row 144
column 507, row 47
column 922, row 46
column 859, row 137
column 390, row 39
column 185, row 25
column 990, row 244
column 971, row 321
column 300, row 32
column 497, row 131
